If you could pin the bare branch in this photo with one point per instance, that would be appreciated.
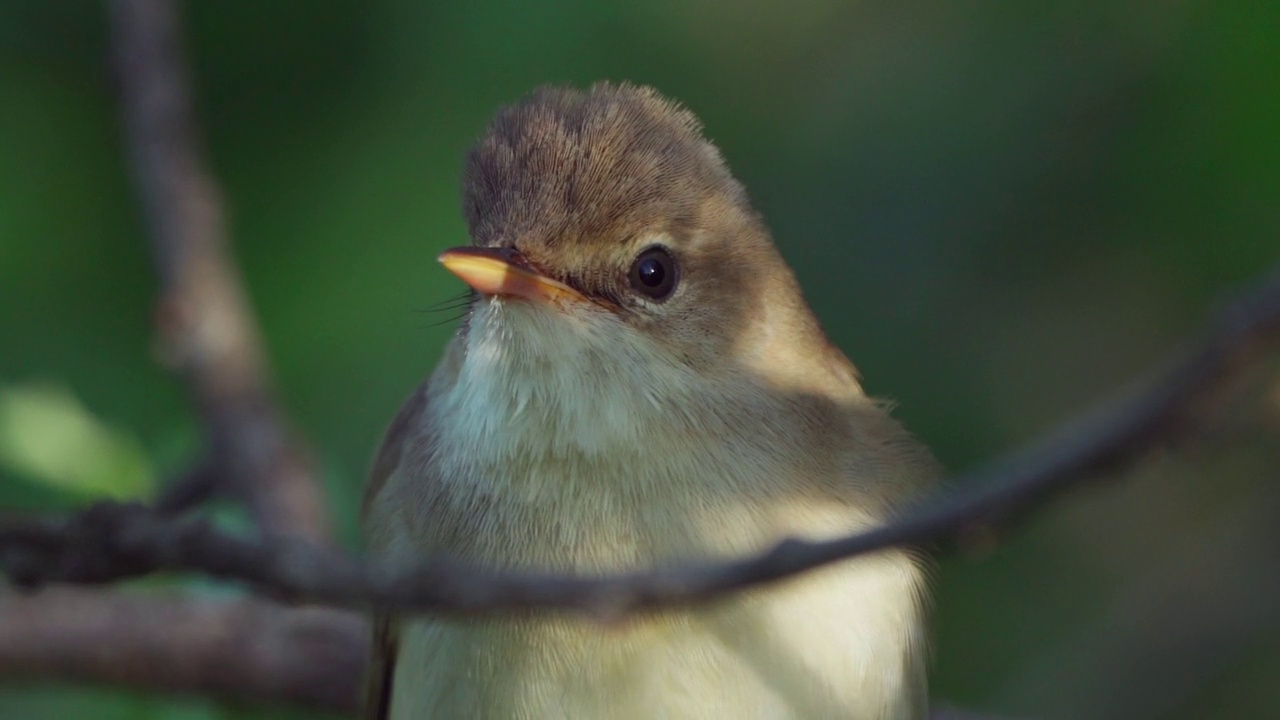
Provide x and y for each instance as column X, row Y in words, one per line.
column 243, row 649
column 240, row 650
column 205, row 328
column 313, row 657
column 110, row 542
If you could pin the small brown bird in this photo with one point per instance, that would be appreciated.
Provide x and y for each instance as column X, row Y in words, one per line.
column 638, row 381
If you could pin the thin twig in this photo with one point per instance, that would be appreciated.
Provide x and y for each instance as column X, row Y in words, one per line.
column 111, row 542
column 206, row 330
column 312, row 657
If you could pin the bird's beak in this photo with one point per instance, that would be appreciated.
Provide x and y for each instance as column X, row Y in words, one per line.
column 503, row 271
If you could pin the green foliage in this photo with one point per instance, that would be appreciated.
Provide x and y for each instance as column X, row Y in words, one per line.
column 1000, row 210
column 47, row 436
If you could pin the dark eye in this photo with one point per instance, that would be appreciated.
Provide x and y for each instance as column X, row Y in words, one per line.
column 653, row 274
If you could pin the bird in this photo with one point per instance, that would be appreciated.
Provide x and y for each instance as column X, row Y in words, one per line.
column 639, row 381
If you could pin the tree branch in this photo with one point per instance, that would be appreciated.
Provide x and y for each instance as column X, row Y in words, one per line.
column 206, row 331
column 253, row 650
column 110, row 542
column 313, row 656
column 240, row 650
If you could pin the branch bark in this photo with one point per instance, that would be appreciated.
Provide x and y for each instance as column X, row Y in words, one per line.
column 247, row 649
column 111, row 542
column 239, row 650
column 206, row 331
column 313, row 657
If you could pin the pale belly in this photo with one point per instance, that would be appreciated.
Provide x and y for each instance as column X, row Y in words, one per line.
column 505, row 669
column 797, row 654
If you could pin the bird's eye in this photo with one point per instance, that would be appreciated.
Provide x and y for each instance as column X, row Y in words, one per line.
column 653, row 274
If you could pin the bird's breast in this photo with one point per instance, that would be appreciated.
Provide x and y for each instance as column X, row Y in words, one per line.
column 558, row 453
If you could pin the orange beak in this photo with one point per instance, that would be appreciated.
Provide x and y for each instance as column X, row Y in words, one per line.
column 503, row 271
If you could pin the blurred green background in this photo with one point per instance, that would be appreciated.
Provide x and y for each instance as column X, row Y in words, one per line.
column 1000, row 210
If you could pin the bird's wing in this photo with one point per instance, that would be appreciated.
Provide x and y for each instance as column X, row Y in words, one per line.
column 376, row 704
column 382, row 659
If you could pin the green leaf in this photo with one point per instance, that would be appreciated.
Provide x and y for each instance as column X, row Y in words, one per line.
column 48, row 437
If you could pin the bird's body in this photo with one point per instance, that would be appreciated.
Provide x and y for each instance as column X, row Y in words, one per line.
column 601, row 433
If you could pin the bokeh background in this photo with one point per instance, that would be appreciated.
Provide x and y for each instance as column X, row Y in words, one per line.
column 1000, row 210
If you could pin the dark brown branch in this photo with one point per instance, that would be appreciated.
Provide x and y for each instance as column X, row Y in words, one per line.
column 239, row 650
column 243, row 649
column 313, row 657
column 110, row 542
column 205, row 328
